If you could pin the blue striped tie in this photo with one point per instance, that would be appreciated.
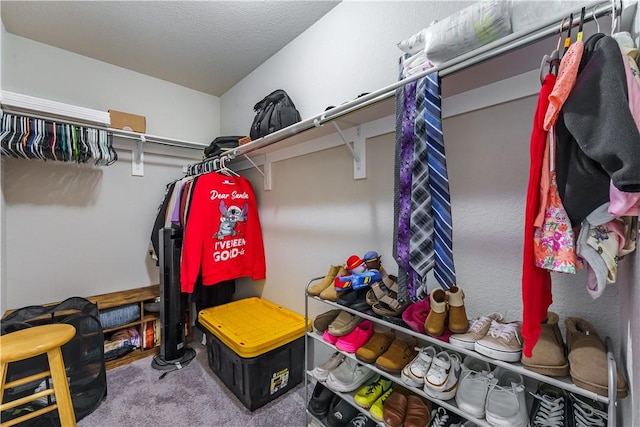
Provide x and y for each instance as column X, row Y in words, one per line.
column 444, row 269
column 421, row 244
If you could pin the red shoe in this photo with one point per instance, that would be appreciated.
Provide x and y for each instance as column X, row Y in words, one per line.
column 356, row 338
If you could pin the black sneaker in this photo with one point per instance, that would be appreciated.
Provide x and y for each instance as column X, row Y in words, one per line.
column 551, row 407
column 440, row 417
column 588, row 413
column 320, row 401
column 361, row 420
column 340, row 413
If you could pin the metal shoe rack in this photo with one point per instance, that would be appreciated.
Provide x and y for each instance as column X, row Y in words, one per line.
column 561, row 382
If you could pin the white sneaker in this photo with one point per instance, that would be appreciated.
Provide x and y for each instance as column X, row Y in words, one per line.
column 478, row 329
column 502, row 342
column 441, row 380
column 321, row 372
column 413, row 374
column 348, row 376
column 474, row 385
column 506, row 405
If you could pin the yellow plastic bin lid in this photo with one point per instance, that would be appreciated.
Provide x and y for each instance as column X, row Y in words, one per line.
column 252, row 326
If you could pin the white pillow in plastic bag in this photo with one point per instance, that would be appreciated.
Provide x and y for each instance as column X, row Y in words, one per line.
column 467, row 29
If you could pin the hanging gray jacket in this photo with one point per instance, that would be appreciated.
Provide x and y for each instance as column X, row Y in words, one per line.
column 597, row 138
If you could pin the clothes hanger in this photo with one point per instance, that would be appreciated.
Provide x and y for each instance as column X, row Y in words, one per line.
column 614, row 17
column 224, row 169
column 567, row 41
column 579, row 36
column 595, row 18
column 113, row 154
column 553, row 60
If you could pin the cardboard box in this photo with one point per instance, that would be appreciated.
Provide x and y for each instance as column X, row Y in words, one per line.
column 128, row 121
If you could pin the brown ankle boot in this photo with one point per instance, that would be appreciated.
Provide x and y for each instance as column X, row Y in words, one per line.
column 458, row 322
column 330, row 293
column 434, row 325
column 319, row 286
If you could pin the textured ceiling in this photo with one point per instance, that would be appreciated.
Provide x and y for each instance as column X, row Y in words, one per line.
column 204, row 45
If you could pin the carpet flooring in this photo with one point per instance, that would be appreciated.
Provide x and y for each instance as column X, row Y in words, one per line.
column 191, row 396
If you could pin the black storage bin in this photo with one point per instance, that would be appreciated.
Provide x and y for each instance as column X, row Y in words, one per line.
column 258, row 380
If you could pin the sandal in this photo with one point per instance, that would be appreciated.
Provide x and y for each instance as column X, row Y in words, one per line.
column 386, row 297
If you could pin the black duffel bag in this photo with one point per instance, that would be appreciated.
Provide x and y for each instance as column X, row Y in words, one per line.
column 221, row 144
column 276, row 111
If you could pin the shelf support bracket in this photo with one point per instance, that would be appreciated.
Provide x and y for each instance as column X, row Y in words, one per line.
column 137, row 160
column 357, row 150
column 267, row 172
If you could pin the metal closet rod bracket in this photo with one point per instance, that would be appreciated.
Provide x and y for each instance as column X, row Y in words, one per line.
column 357, row 150
column 137, row 159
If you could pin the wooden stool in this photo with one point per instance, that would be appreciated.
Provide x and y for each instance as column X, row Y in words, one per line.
column 31, row 342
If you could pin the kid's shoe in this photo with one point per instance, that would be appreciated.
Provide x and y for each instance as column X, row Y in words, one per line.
column 441, row 380
column 413, row 374
column 458, row 321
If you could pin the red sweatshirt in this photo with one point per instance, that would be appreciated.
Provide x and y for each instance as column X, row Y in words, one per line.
column 222, row 235
column 536, row 282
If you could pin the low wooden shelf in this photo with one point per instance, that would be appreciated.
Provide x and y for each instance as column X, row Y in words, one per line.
column 121, row 298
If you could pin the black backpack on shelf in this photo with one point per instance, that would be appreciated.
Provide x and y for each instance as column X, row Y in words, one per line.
column 276, row 111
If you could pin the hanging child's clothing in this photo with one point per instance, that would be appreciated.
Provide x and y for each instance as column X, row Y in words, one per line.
column 222, row 237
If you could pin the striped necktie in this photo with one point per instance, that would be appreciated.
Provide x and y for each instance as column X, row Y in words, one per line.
column 405, row 118
column 421, row 245
column 444, row 269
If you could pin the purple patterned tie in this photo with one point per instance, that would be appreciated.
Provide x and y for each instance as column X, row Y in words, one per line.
column 405, row 117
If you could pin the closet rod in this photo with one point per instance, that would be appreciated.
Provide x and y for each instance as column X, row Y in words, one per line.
column 501, row 46
column 116, row 132
column 505, row 44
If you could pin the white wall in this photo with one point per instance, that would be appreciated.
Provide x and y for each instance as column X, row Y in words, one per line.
column 79, row 230
column 317, row 208
column 351, row 50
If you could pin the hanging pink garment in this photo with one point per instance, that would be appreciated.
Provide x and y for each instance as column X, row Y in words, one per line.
column 554, row 241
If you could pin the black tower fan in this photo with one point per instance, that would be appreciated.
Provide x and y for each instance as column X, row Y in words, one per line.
column 172, row 303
